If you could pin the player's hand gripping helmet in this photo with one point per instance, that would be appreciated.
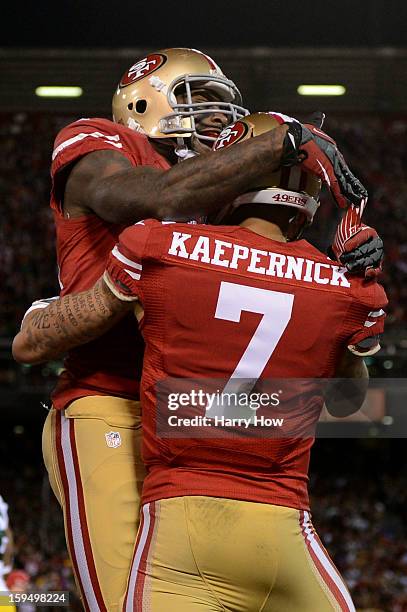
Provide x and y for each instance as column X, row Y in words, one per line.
column 288, row 186
column 146, row 97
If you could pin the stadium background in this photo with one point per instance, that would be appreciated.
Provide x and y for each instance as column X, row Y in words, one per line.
column 358, row 484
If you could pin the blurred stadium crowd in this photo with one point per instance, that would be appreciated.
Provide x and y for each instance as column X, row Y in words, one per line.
column 362, row 522
column 360, row 512
column 365, row 533
column 376, row 149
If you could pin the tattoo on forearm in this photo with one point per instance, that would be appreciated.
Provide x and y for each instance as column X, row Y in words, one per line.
column 72, row 320
column 89, row 303
column 200, row 185
column 206, row 183
column 40, row 320
column 99, row 300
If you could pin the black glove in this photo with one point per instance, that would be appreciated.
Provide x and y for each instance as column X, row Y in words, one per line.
column 364, row 252
column 318, row 153
column 316, row 119
column 357, row 246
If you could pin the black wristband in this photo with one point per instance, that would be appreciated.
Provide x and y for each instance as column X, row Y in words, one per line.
column 291, row 144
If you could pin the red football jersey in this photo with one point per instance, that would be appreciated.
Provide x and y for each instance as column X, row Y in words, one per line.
column 110, row 365
column 222, row 303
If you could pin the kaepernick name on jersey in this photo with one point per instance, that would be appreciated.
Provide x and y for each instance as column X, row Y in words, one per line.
column 227, row 255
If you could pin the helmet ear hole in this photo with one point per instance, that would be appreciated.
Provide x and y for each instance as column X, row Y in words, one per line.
column 141, row 106
column 130, row 106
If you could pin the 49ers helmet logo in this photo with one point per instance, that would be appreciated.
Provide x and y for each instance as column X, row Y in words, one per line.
column 231, row 134
column 140, row 69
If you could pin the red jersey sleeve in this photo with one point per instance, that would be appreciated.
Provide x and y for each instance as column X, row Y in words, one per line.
column 86, row 135
column 366, row 319
column 124, row 269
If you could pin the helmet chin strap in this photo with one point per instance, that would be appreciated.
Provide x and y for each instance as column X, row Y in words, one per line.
column 182, row 151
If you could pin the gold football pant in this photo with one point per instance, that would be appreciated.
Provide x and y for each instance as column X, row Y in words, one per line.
column 206, row 554
column 92, row 454
column 5, row 605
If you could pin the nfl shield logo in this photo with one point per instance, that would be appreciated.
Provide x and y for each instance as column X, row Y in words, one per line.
column 113, row 439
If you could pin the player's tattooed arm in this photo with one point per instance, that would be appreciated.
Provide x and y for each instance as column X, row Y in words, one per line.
column 69, row 321
column 106, row 183
column 347, row 391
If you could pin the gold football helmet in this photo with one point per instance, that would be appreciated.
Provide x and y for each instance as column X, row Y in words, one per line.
column 288, row 186
column 146, row 97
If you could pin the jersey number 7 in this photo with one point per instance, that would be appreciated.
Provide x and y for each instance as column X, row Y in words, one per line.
column 276, row 308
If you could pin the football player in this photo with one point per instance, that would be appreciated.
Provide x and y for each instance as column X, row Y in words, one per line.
column 226, row 523
column 169, row 106
column 106, row 175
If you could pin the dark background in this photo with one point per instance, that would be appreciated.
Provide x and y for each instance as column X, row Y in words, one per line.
column 152, row 24
column 358, row 486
